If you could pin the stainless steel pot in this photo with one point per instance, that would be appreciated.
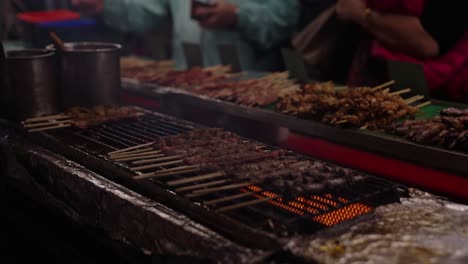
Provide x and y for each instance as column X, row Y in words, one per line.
column 89, row 74
column 29, row 86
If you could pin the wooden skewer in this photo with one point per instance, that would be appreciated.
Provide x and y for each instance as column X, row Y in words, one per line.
column 197, row 178
column 156, row 165
column 166, row 174
column 57, row 41
column 141, row 154
column 46, row 118
column 131, row 152
column 140, row 157
column 407, row 90
column 49, row 128
column 156, row 160
column 200, row 186
column 217, row 189
column 130, row 148
column 414, row 99
column 423, row 104
column 46, row 124
column 341, row 122
column 184, row 167
column 384, row 85
column 241, row 205
column 228, row 198
column 155, row 173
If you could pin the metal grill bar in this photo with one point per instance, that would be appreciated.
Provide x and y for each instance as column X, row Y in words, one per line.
column 150, row 128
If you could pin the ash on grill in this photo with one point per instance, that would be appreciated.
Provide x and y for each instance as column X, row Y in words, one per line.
column 218, row 161
column 255, row 187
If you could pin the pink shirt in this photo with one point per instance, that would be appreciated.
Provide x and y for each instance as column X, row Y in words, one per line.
column 446, row 75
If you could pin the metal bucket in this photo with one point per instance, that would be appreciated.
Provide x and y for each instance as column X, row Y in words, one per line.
column 29, row 85
column 89, row 74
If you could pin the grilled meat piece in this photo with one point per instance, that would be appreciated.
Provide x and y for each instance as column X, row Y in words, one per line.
column 216, row 150
column 448, row 130
column 350, row 107
column 86, row 117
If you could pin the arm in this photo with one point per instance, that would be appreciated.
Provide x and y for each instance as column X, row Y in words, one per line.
column 135, row 15
column 403, row 33
column 267, row 22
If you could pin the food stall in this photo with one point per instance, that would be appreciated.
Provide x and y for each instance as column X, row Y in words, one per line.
column 174, row 183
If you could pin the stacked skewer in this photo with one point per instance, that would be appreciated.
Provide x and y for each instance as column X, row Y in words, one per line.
column 81, row 117
column 47, row 123
column 258, row 92
column 372, row 108
column 207, row 161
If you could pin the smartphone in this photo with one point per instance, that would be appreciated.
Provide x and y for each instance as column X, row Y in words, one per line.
column 199, row 3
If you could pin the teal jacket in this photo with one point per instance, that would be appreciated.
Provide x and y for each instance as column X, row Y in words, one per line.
column 262, row 24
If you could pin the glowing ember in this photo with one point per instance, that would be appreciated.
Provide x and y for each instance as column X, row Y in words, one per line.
column 313, row 205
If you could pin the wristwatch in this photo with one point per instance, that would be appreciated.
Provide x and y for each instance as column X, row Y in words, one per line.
column 366, row 15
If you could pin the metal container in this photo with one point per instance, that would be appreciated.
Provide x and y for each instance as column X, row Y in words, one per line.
column 89, row 74
column 29, row 85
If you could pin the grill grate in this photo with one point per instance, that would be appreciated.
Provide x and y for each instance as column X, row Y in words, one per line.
column 264, row 210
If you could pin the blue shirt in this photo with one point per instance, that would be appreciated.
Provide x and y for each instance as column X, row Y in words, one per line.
column 262, row 24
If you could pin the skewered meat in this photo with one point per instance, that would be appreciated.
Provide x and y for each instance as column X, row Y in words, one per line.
column 86, row 117
column 360, row 107
column 259, row 92
column 449, row 130
column 218, row 150
column 163, row 74
column 454, row 112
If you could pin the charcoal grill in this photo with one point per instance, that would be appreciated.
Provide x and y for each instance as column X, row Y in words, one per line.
column 265, row 224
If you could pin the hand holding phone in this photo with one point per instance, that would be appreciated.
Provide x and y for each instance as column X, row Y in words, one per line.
column 215, row 15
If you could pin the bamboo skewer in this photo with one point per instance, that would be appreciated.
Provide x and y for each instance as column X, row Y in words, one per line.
column 197, row 178
column 157, row 160
column 414, row 99
column 166, row 174
column 157, row 173
column 217, row 189
column 177, row 172
column 341, row 122
column 142, row 154
column 408, row 90
column 156, row 165
column 384, row 85
column 33, row 125
column 131, row 152
column 46, row 118
column 241, row 205
column 140, row 157
column 423, row 104
column 49, row 128
column 130, row 148
column 200, row 186
column 228, row 198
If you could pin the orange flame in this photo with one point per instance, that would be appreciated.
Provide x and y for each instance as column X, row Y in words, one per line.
column 313, row 205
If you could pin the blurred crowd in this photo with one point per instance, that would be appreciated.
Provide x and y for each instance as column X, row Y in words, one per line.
column 355, row 38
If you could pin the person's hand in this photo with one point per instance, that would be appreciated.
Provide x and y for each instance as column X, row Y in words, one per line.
column 89, row 6
column 351, row 10
column 219, row 15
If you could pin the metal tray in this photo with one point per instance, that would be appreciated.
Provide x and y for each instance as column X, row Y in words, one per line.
column 204, row 109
